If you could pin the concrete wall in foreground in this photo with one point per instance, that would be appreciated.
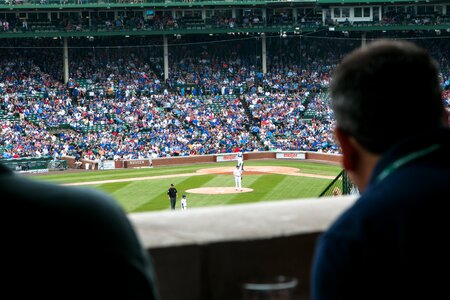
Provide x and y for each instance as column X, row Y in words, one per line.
column 207, row 253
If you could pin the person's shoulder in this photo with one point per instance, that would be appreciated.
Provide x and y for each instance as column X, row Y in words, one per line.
column 376, row 210
column 58, row 198
column 351, row 224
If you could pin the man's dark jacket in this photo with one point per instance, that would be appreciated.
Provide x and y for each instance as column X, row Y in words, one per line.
column 392, row 243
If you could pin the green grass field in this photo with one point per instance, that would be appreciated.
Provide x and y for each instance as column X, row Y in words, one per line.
column 151, row 194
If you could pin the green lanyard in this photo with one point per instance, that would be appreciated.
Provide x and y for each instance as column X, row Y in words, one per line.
column 406, row 159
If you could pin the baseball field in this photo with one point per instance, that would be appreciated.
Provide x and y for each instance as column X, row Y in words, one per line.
column 145, row 189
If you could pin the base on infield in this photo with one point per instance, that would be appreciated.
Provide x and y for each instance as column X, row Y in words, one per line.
column 218, row 190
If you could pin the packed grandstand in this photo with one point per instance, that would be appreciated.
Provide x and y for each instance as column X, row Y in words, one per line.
column 116, row 103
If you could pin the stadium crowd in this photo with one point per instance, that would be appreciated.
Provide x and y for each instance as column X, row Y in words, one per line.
column 164, row 20
column 216, row 99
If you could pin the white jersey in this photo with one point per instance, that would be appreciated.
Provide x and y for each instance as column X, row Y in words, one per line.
column 240, row 160
column 183, row 203
column 240, row 156
column 238, row 178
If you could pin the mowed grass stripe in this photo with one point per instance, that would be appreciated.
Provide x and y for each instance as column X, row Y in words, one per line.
column 261, row 185
column 228, row 181
column 303, row 166
column 111, row 188
column 84, row 176
column 198, row 200
column 160, row 201
column 293, row 188
column 193, row 182
column 219, row 181
column 136, row 193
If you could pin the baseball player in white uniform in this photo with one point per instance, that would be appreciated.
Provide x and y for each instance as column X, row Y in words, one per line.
column 183, row 202
column 240, row 160
column 238, row 178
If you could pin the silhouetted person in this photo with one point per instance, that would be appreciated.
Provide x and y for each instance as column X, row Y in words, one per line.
column 68, row 243
column 392, row 128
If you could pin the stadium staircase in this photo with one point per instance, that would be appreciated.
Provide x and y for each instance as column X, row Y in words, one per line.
column 252, row 121
column 5, row 117
column 306, row 114
column 310, row 113
column 247, row 109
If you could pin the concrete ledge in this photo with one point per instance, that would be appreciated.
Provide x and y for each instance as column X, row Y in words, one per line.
column 208, row 253
column 237, row 222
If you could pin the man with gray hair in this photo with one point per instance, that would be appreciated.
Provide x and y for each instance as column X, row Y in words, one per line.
column 393, row 131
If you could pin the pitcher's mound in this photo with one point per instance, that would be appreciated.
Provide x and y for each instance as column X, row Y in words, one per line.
column 218, row 190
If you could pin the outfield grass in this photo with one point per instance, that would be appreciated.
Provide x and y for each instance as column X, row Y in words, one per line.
column 151, row 194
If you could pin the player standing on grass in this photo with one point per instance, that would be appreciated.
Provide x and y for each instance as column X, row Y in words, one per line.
column 183, row 202
column 238, row 178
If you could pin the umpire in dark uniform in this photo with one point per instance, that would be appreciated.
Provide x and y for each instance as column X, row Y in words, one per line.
column 172, row 193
